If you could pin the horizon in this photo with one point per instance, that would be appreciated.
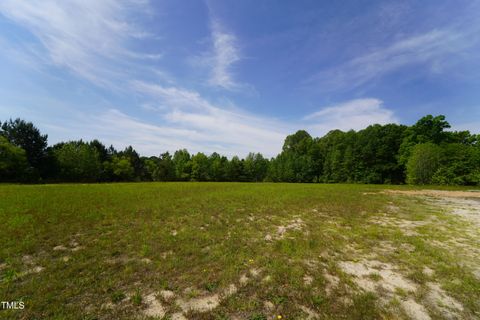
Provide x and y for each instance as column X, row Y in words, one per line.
column 229, row 156
column 231, row 77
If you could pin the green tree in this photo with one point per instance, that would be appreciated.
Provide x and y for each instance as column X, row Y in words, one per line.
column 255, row 167
column 150, row 168
column 296, row 162
column 460, row 165
column 427, row 129
column 423, row 163
column 200, row 167
column 376, row 154
column 78, row 161
column 218, row 167
column 120, row 168
column 165, row 169
column 13, row 161
column 183, row 166
column 235, row 170
column 334, row 146
column 298, row 143
column 136, row 162
column 26, row 136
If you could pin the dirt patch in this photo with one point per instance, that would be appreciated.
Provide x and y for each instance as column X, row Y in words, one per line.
column 392, row 208
column 311, row 315
column 438, row 193
column 178, row 316
column 385, row 279
column 107, row 306
column 415, row 310
column 428, row 272
column 446, row 305
column 311, row 264
column 408, row 227
column 307, row 280
column 28, row 260
column 166, row 254
column 32, row 266
column 331, row 282
column 371, row 275
column 469, row 209
column 295, row 224
column 243, row 279
column 154, row 307
column 201, row 304
column 36, row 269
column 268, row 306
column 465, row 204
column 74, row 246
column 229, row 291
column 167, row 295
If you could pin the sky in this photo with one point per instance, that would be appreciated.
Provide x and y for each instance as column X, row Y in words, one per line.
column 232, row 76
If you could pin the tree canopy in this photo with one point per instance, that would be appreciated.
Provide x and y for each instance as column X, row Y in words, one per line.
column 423, row 153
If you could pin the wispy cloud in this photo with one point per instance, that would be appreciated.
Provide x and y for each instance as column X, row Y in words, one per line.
column 354, row 114
column 219, row 61
column 92, row 39
column 216, row 127
column 89, row 38
column 225, row 54
column 429, row 50
column 182, row 118
column 175, row 97
column 196, row 124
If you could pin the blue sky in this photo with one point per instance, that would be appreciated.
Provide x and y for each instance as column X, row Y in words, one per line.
column 235, row 76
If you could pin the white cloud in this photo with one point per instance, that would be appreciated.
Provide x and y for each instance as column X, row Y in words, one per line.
column 219, row 61
column 225, row 54
column 91, row 39
column 187, row 120
column 194, row 123
column 354, row 114
column 430, row 50
column 87, row 37
column 214, row 127
column 174, row 96
column 226, row 133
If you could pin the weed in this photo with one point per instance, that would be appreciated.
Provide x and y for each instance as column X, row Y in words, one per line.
column 318, row 300
column 137, row 298
column 9, row 275
column 117, row 296
column 211, row 286
column 375, row 276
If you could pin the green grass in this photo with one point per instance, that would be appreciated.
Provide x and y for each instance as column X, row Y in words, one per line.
column 124, row 241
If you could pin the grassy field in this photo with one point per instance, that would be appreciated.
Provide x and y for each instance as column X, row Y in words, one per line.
column 237, row 251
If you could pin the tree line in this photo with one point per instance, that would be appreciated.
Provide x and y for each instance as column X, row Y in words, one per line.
column 424, row 153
